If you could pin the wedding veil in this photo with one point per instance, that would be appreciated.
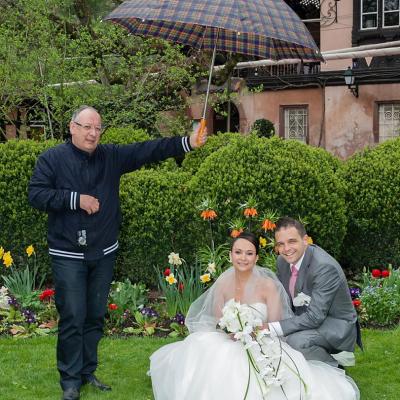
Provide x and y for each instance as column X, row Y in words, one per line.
column 262, row 287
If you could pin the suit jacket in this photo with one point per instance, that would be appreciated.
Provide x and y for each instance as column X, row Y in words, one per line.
column 331, row 311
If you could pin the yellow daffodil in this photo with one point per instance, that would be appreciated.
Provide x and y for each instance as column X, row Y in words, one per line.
column 263, row 242
column 171, row 279
column 30, row 250
column 1, row 252
column 309, row 240
column 7, row 259
column 205, row 278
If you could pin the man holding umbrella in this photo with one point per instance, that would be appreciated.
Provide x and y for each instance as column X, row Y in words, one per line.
column 77, row 184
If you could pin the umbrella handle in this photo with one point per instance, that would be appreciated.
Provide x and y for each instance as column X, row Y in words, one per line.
column 201, row 131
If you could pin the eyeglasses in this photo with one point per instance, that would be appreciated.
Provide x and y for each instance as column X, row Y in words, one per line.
column 87, row 128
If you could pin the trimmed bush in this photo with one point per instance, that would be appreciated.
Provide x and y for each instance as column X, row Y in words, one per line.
column 124, row 135
column 372, row 194
column 20, row 224
column 156, row 221
column 263, row 128
column 193, row 160
column 288, row 176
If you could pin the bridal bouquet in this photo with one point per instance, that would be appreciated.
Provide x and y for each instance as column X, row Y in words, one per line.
column 264, row 352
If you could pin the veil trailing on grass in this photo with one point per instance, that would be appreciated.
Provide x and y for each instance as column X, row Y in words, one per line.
column 262, row 287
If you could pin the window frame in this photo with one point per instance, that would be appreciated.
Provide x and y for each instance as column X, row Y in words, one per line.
column 376, row 117
column 369, row 13
column 282, row 126
column 387, row 12
column 380, row 16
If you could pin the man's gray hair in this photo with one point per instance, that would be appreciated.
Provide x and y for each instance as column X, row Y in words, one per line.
column 76, row 113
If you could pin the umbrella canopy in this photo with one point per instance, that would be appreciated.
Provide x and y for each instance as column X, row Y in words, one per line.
column 260, row 28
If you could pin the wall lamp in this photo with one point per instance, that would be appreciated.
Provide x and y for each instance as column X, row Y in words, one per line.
column 350, row 79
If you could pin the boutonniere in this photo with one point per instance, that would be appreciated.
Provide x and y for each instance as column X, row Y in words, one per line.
column 301, row 300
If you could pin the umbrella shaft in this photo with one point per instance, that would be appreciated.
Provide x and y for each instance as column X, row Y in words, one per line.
column 210, row 75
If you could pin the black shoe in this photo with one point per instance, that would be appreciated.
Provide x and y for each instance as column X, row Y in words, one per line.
column 70, row 394
column 93, row 381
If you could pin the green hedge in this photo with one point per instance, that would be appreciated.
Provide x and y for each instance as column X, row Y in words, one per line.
column 156, row 221
column 193, row 160
column 20, row 224
column 290, row 177
column 159, row 211
column 373, row 181
column 124, row 135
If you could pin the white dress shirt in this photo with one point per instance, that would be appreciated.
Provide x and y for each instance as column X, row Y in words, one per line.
column 275, row 327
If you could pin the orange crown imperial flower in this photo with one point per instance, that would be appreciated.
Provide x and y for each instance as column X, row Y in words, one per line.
column 250, row 212
column 208, row 215
column 236, row 232
column 268, row 225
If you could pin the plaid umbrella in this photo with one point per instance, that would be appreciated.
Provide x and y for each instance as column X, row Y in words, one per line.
column 260, row 28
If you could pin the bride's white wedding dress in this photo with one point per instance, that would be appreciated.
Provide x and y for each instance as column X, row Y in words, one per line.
column 212, row 366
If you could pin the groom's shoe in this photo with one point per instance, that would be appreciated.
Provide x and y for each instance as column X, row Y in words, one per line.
column 93, row 381
column 70, row 394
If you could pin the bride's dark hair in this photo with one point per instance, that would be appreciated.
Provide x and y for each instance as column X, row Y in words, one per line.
column 249, row 236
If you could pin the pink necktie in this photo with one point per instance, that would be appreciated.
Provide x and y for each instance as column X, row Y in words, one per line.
column 292, row 281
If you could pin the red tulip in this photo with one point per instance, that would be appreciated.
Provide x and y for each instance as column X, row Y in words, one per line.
column 376, row 273
column 112, row 306
column 167, row 272
column 385, row 273
column 356, row 303
column 180, row 287
column 47, row 294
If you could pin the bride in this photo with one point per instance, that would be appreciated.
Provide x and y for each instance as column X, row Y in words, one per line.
column 211, row 365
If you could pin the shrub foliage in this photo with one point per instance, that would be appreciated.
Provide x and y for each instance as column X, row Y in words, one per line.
column 373, row 180
column 20, row 224
column 289, row 177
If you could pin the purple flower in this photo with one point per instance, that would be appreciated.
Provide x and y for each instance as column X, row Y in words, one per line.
column 179, row 318
column 149, row 312
column 29, row 315
column 355, row 292
column 13, row 302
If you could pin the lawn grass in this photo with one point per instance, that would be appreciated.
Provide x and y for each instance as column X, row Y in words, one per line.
column 28, row 370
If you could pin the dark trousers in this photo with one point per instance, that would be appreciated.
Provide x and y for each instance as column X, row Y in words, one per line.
column 82, row 289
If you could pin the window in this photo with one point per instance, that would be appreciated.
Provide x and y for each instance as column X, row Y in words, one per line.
column 380, row 13
column 369, row 14
column 294, row 123
column 391, row 13
column 388, row 121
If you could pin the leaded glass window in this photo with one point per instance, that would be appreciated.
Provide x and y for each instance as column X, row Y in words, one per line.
column 389, row 121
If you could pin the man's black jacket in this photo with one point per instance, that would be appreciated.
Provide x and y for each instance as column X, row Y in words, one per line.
column 65, row 172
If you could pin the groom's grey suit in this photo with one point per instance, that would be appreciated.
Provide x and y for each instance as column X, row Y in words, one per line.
column 328, row 324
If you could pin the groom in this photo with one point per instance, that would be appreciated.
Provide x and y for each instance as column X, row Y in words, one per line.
column 325, row 321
